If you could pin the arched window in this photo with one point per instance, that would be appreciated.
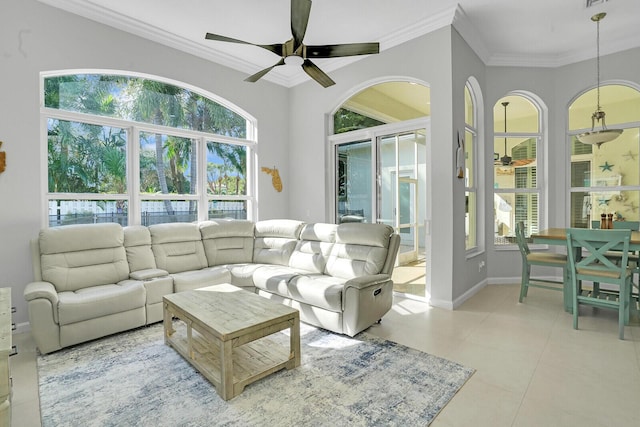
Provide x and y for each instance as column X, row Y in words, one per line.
column 139, row 150
column 518, row 142
column 605, row 179
column 471, row 171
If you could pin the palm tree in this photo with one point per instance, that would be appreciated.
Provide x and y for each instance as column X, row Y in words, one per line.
column 158, row 103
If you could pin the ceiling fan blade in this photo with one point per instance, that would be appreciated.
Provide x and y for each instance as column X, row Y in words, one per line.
column 275, row 48
column 336, row 50
column 317, row 74
column 300, row 10
column 254, row 78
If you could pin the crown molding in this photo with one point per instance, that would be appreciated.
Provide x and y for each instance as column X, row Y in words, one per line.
column 133, row 26
column 454, row 16
column 108, row 17
column 470, row 34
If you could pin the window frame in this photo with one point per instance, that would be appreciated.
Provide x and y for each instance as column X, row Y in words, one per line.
column 474, row 188
column 134, row 197
column 591, row 157
column 541, row 190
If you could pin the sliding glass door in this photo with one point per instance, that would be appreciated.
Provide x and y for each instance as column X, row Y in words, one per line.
column 354, row 177
column 382, row 179
column 401, row 198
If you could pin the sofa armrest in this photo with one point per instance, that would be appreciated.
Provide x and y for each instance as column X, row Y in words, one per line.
column 148, row 274
column 42, row 302
column 46, row 290
column 363, row 282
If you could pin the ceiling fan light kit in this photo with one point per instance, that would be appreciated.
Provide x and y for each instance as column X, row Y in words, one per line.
column 598, row 137
column 296, row 52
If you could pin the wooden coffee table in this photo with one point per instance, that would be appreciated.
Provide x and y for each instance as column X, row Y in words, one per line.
column 223, row 332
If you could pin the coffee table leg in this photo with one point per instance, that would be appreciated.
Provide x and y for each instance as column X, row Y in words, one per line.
column 226, row 370
column 167, row 322
column 295, row 343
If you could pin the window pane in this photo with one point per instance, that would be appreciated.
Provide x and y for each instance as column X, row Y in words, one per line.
column 229, row 209
column 142, row 100
column 162, row 211
column 66, row 212
column 587, row 207
column 354, row 181
column 613, row 164
column 469, row 159
column 522, row 115
column 509, row 208
column 84, row 158
column 620, row 103
column 518, row 168
column 468, row 108
column 470, row 220
column 227, row 169
column 165, row 164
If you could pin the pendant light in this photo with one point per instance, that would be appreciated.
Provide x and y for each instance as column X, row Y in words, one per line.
column 506, row 159
column 598, row 137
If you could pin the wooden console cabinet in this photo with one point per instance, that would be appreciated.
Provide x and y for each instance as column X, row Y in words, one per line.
column 5, row 352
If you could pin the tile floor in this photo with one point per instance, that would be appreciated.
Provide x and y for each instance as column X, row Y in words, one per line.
column 533, row 369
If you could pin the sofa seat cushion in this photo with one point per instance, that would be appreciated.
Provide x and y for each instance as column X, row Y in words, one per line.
column 273, row 278
column 98, row 301
column 188, row 280
column 318, row 290
column 242, row 274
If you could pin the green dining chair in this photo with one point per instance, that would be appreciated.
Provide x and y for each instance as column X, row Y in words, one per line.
column 594, row 265
column 634, row 257
column 545, row 259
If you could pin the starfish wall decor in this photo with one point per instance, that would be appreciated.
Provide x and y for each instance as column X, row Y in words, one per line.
column 631, row 206
column 629, row 155
column 606, row 167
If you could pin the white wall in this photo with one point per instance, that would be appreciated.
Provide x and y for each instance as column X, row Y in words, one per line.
column 36, row 38
column 426, row 59
column 467, row 275
column 292, row 126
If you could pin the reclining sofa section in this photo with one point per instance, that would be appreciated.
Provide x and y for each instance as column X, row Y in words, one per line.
column 99, row 279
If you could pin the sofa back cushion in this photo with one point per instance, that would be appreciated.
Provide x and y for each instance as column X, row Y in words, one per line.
column 74, row 257
column 177, row 247
column 360, row 249
column 314, row 247
column 227, row 241
column 137, row 243
column 275, row 240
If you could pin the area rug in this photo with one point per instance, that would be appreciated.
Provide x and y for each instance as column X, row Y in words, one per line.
column 134, row 379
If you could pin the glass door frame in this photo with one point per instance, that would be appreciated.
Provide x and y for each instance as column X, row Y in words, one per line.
column 372, row 134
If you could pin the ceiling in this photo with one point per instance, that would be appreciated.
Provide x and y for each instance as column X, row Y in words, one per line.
column 542, row 33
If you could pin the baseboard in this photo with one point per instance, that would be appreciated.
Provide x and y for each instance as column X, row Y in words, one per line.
column 452, row 305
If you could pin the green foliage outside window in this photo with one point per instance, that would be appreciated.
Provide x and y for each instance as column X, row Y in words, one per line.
column 347, row 120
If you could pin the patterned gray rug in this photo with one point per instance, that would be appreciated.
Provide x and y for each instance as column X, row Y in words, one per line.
column 134, row 379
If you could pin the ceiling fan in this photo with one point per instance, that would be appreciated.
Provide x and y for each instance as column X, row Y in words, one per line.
column 505, row 160
column 294, row 47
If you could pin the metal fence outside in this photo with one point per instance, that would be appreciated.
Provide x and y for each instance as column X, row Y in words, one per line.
column 148, row 218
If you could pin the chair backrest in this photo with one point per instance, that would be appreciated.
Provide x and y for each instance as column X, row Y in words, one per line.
column 522, row 240
column 629, row 225
column 594, row 246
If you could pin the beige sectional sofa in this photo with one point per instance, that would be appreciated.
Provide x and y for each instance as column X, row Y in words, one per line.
column 98, row 279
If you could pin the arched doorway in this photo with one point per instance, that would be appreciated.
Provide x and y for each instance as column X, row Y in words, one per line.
column 379, row 149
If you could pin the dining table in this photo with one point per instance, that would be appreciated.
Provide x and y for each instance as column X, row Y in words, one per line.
column 558, row 237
